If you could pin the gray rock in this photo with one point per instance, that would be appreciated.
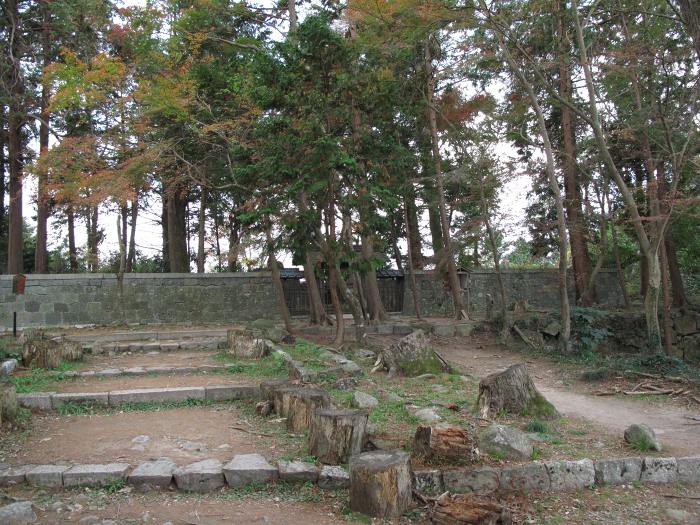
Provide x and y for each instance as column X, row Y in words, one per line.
column 428, row 481
column 346, row 383
column 570, row 475
column 153, row 474
column 40, row 401
column 505, row 441
column 142, row 439
column 363, row 400
column 525, row 478
column 249, row 468
column 689, row 469
column 659, row 470
column 617, row 471
column 95, row 475
column 642, row 433
column 552, row 329
column 333, row 478
column 231, row 392
column 444, row 330
column 411, row 356
column 19, row 513
column 479, row 481
column 93, row 398
column 426, row 377
column 428, row 415
column 202, row 476
column 90, row 520
column 109, row 372
column 8, row 366
column 464, row 329
column 14, row 475
column 46, row 476
column 297, row 471
column 155, row 395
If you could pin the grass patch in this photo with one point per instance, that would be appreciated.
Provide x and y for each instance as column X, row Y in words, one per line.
column 538, row 426
column 89, row 409
column 498, row 455
column 267, row 367
column 40, row 379
column 642, row 442
column 9, row 348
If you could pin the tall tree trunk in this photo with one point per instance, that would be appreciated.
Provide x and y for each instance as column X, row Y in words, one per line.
column 124, row 228
column 164, row 228
column 72, row 251
column 178, row 256
column 690, row 13
column 337, row 306
column 413, row 238
column 41, row 258
column 410, row 259
column 217, row 224
column 277, row 280
column 317, row 312
column 506, row 325
column 291, row 9
column 618, row 265
column 580, row 258
column 453, row 277
column 131, row 257
column 395, row 229
column 3, row 161
column 665, row 287
column 201, row 231
column 234, row 243
column 92, row 216
column 679, row 297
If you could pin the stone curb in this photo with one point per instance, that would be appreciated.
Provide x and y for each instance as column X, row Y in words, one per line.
column 141, row 370
column 211, row 474
column 46, row 401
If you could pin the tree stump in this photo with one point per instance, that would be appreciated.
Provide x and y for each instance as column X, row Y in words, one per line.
column 512, row 391
column 267, row 388
column 8, row 403
column 411, row 356
column 337, row 434
column 41, row 352
column 468, row 509
column 298, row 405
column 380, row 483
column 243, row 344
column 71, row 351
column 445, row 442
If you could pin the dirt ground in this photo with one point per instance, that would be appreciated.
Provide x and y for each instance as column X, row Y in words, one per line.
column 126, row 360
column 184, row 435
column 106, row 384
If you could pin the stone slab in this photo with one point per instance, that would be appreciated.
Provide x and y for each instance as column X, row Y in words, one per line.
column 46, row 476
column 444, row 330
column 570, row 475
column 525, row 478
column 479, row 480
column 203, row 476
column 155, row 395
column 95, row 475
column 14, row 475
column 40, row 401
column 93, row 398
column 333, row 478
column 297, row 471
column 230, row 392
column 428, row 481
column 659, row 470
column 249, row 468
column 156, row 474
column 617, row 471
column 17, row 513
column 689, row 469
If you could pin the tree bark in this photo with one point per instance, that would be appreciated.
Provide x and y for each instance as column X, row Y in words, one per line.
column 468, row 509
column 337, row 307
column 131, row 257
column 336, row 435
column 445, row 443
column 618, row 266
column 298, row 405
column 178, row 256
column 3, row 141
column 411, row 260
column 380, row 483
column 201, row 231
column 317, row 311
column 412, row 231
column 277, row 280
column 164, row 228
column 234, row 243
column 690, row 13
column 72, row 251
column 677, row 285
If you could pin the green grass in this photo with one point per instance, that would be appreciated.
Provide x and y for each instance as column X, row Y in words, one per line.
column 88, row 409
column 268, row 367
column 642, row 442
column 538, row 426
column 40, row 380
column 498, row 455
column 9, row 348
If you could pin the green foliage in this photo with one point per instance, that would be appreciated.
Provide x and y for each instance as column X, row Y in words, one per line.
column 537, row 426
column 587, row 329
column 40, row 380
column 88, row 408
column 642, row 442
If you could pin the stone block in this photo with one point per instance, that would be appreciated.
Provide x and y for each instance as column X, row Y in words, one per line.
column 135, row 371
column 444, row 330
column 617, row 471
column 483, row 480
column 659, row 470
column 40, row 401
column 249, row 468
column 297, row 471
column 333, row 478
column 428, row 481
column 18, row 513
column 229, row 392
column 109, row 372
column 525, row 478
column 8, row 366
column 95, row 475
column 570, row 475
column 93, row 398
column 464, row 330
column 168, row 347
column 385, row 329
column 14, row 475
column 203, row 476
column 155, row 395
column 402, row 329
column 689, row 469
column 153, row 474
column 46, row 476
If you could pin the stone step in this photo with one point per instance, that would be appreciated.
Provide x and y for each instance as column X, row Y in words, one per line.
column 149, row 335
column 162, row 345
column 47, row 401
column 146, row 370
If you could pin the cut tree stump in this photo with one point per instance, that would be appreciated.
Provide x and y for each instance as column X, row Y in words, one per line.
column 242, row 343
column 514, row 392
column 298, row 405
column 337, row 434
column 468, row 509
column 445, row 442
column 8, row 403
column 380, row 483
column 268, row 388
column 40, row 351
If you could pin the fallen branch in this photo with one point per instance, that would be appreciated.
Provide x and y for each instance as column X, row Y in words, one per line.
column 679, row 497
column 648, row 393
column 525, row 338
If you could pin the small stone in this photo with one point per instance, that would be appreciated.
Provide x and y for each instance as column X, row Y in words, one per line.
column 8, row 366
column 428, row 415
column 19, row 513
column 333, row 477
column 90, row 520
column 224, row 446
column 142, row 439
column 297, row 471
column 642, row 435
column 505, row 442
column 391, row 396
column 346, row 383
column 202, row 476
column 426, row 377
column 249, row 468
column 552, row 329
column 192, row 446
column 363, row 400
column 659, row 470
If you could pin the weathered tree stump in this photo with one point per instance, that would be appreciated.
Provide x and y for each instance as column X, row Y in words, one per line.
column 8, row 403
column 71, row 351
column 268, row 388
column 380, row 483
column 243, row 344
column 512, row 391
column 411, row 356
column 468, row 509
column 337, row 434
column 445, row 442
column 298, row 405
column 41, row 352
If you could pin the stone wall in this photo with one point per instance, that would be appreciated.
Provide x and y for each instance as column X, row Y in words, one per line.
column 538, row 287
column 66, row 300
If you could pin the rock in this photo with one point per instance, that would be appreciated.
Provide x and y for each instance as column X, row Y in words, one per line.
column 689, row 469
column 95, row 475
column 444, row 330
column 142, row 439
column 346, row 383
column 428, row 415
column 428, row 481
column 392, row 397
column 426, row 377
column 682, row 517
column 203, row 476
column 297, row 471
column 570, row 475
column 93, row 398
column 617, row 471
column 14, row 475
column 505, row 442
column 232, row 392
column 249, row 468
column 525, row 478
column 363, row 400
column 686, row 325
column 552, row 329
column 659, row 470
column 8, row 366
column 39, row 401
column 46, row 476
column 156, row 474
column 192, row 446
column 19, row 513
column 642, row 437
column 479, row 481
column 333, row 477
column 411, row 356
column 90, row 520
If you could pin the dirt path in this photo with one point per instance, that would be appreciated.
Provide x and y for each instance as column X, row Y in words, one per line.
column 179, row 358
column 481, row 356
